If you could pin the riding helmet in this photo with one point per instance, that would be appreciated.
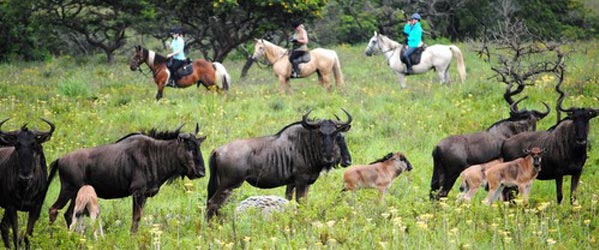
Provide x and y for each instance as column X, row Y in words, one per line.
column 415, row 16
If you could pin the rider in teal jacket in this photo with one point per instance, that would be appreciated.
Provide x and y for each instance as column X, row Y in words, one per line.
column 414, row 32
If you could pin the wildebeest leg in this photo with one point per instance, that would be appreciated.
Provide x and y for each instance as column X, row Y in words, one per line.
column 448, row 184
column 217, row 200
column 4, row 229
column 34, row 214
column 437, row 178
column 68, row 215
column 558, row 188
column 573, row 186
column 289, row 191
column 11, row 215
column 523, row 190
column 66, row 193
column 139, row 200
column 301, row 191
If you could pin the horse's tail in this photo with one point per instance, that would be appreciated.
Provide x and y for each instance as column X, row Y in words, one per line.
column 213, row 181
column 222, row 78
column 337, row 71
column 461, row 66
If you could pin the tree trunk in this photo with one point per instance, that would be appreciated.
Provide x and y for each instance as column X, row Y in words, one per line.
column 246, row 66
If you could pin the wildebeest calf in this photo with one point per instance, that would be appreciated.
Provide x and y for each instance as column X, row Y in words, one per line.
column 87, row 202
column 474, row 177
column 519, row 172
column 378, row 174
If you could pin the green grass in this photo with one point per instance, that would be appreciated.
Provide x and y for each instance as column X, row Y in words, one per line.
column 94, row 104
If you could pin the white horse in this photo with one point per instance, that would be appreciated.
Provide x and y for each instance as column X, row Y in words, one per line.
column 436, row 56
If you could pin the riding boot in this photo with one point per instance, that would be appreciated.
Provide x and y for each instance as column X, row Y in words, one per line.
column 295, row 73
column 409, row 70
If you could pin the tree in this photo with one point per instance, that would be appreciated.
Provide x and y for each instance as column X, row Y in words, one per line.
column 101, row 23
column 218, row 27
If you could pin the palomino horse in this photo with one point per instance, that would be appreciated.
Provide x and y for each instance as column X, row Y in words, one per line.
column 211, row 75
column 436, row 56
column 322, row 61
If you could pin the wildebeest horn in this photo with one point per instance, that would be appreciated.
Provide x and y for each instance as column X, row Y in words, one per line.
column 197, row 128
column 178, row 130
column 508, row 93
column 540, row 114
column 52, row 127
column 2, row 123
column 562, row 95
column 308, row 123
column 514, row 106
column 349, row 118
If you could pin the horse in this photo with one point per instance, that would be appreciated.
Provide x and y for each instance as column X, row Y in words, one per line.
column 322, row 61
column 211, row 75
column 436, row 57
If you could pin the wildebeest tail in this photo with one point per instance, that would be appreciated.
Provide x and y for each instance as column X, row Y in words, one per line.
column 213, row 181
column 437, row 172
column 53, row 169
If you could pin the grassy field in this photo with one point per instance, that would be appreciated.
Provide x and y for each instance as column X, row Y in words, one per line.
column 92, row 103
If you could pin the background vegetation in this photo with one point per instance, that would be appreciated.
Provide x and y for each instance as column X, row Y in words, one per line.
column 93, row 103
column 39, row 29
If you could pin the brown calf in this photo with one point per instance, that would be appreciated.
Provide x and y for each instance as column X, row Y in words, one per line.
column 87, row 201
column 519, row 172
column 378, row 174
column 474, row 177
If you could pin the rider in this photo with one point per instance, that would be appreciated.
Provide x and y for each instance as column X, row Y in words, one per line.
column 414, row 32
column 177, row 57
column 300, row 47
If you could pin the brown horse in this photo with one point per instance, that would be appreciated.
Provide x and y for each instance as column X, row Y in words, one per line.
column 323, row 62
column 204, row 72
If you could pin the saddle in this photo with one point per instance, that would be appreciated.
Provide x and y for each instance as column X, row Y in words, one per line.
column 414, row 57
column 184, row 70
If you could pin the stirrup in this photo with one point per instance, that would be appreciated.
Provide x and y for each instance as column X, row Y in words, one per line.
column 171, row 83
column 295, row 75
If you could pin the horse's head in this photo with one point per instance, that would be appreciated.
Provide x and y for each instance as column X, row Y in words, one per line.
column 137, row 59
column 373, row 45
column 259, row 49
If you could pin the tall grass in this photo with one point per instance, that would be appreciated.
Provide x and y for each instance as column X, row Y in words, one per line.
column 94, row 104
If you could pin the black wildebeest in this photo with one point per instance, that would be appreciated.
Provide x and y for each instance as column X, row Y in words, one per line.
column 137, row 164
column 294, row 156
column 455, row 153
column 23, row 178
column 565, row 144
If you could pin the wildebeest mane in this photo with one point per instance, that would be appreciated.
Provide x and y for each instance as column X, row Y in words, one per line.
column 162, row 135
column 385, row 158
column 127, row 136
column 557, row 124
column 286, row 127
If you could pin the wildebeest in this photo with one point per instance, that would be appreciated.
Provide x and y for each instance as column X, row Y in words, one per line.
column 137, row 164
column 295, row 155
column 87, row 203
column 23, row 178
column 455, row 153
column 566, row 145
column 519, row 172
column 474, row 177
column 378, row 174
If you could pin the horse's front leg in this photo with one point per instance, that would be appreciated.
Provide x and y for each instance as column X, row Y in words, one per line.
column 401, row 78
column 284, row 86
column 160, row 80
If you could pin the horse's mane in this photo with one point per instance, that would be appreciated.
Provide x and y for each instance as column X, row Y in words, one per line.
column 158, row 58
column 393, row 44
column 385, row 158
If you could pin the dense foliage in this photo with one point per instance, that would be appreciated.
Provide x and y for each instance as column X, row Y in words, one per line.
column 35, row 30
column 93, row 103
